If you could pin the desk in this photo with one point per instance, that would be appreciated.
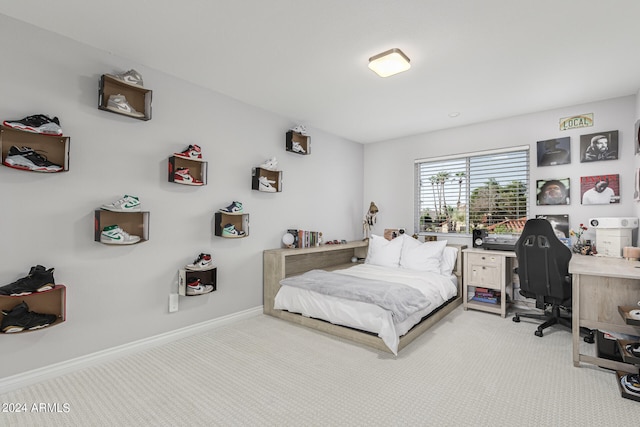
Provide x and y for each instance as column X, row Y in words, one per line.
column 487, row 269
column 600, row 286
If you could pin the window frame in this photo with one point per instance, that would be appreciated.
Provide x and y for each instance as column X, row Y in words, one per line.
column 467, row 158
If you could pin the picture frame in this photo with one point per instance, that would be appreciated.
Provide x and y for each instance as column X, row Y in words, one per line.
column 560, row 225
column 553, row 192
column 599, row 146
column 552, row 152
column 600, row 189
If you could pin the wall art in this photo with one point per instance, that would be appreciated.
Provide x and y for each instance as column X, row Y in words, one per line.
column 599, row 146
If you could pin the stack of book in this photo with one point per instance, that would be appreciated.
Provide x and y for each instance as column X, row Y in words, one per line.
column 490, row 296
column 305, row 239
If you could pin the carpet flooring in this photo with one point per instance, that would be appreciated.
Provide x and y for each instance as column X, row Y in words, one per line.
column 472, row 368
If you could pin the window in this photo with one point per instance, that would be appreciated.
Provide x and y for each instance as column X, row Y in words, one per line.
column 456, row 194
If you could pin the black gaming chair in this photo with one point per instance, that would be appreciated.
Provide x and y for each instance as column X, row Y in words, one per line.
column 543, row 269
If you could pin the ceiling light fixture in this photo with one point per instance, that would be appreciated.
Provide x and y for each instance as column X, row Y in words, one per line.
column 388, row 63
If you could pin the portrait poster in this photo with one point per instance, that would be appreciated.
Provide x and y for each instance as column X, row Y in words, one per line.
column 600, row 189
column 596, row 147
column 553, row 191
column 559, row 223
column 553, row 152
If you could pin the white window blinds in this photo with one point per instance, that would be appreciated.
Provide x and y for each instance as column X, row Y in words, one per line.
column 484, row 190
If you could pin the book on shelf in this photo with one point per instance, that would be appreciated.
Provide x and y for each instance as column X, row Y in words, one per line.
column 489, row 300
column 304, row 238
column 488, row 294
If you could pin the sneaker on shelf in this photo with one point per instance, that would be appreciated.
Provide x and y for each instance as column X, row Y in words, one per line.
column 195, row 287
column 234, row 208
column 125, row 204
column 131, row 77
column 114, row 235
column 270, row 164
column 182, row 176
column 230, row 230
column 119, row 104
column 192, row 152
column 301, row 129
column 28, row 159
column 38, row 123
column 203, row 262
column 296, row 147
column 264, row 184
column 39, row 279
column 20, row 318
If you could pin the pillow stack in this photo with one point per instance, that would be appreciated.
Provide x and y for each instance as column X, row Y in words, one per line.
column 407, row 252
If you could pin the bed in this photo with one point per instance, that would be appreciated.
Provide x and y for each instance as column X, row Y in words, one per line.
column 423, row 267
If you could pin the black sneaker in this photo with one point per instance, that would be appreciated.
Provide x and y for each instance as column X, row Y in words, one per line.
column 28, row 159
column 20, row 318
column 39, row 279
column 38, row 123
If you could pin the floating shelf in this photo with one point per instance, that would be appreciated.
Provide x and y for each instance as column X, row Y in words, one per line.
column 303, row 140
column 207, row 277
column 275, row 176
column 54, row 147
column 53, row 301
column 239, row 221
column 138, row 97
column 197, row 169
column 134, row 223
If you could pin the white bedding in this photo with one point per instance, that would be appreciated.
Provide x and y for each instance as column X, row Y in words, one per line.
column 437, row 288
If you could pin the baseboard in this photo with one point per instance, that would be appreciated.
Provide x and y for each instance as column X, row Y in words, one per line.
column 24, row 379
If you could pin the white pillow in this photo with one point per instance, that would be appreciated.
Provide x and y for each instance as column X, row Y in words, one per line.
column 425, row 256
column 383, row 252
column 449, row 256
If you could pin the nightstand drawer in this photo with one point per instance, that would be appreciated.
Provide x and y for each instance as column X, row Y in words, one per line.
column 485, row 259
column 488, row 276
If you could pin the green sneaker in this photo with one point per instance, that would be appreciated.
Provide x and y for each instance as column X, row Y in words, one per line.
column 126, row 204
column 230, row 230
column 114, row 235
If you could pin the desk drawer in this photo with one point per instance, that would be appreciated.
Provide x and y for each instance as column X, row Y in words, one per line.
column 484, row 259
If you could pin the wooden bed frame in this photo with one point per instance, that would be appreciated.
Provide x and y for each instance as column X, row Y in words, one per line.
column 281, row 263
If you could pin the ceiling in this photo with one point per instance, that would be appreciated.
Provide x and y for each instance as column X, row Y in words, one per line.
column 307, row 59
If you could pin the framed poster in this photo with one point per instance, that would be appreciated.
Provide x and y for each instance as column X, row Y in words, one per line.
column 554, row 152
column 559, row 223
column 553, row 192
column 600, row 189
column 599, row 146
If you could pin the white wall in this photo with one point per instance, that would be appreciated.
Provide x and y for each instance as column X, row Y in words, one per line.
column 389, row 165
column 116, row 295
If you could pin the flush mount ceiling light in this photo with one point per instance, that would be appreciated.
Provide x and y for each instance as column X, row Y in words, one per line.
column 388, row 63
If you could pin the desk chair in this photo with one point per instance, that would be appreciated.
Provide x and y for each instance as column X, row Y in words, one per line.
column 543, row 269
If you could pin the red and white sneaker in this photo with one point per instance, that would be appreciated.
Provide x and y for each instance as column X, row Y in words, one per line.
column 194, row 287
column 192, row 152
column 182, row 176
column 203, row 262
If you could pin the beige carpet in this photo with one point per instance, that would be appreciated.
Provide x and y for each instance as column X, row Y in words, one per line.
column 472, row 368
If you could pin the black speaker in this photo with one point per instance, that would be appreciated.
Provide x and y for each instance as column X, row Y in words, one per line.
column 479, row 235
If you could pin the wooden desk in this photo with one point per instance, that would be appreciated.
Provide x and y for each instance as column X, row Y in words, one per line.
column 600, row 286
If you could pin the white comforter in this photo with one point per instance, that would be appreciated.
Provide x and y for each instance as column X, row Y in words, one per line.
column 364, row 316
